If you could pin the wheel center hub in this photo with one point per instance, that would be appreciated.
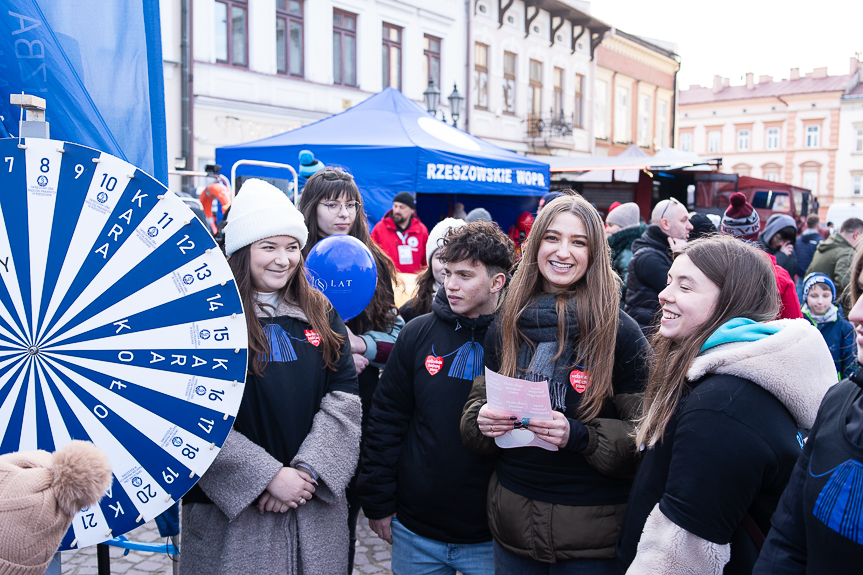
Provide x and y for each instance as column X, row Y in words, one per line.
column 33, row 350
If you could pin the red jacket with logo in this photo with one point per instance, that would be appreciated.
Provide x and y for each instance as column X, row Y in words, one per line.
column 406, row 248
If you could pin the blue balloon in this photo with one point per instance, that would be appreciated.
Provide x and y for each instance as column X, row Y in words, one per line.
column 343, row 268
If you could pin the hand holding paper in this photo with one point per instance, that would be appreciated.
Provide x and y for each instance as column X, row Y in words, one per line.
column 520, row 400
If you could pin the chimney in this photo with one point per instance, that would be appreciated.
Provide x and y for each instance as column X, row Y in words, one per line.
column 855, row 65
column 795, row 74
column 726, row 82
column 694, row 86
column 763, row 79
column 717, row 84
column 819, row 73
column 750, row 83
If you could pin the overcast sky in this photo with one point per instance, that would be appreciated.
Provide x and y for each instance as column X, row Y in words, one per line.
column 733, row 37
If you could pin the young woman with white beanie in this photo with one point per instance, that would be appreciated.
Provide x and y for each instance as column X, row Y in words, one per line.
column 274, row 498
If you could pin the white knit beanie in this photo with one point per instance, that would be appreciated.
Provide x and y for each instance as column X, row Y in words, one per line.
column 624, row 215
column 261, row 211
column 437, row 234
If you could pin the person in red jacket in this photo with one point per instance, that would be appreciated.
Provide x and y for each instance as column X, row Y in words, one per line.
column 742, row 221
column 402, row 236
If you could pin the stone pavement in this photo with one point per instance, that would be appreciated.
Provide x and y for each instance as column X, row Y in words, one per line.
column 372, row 557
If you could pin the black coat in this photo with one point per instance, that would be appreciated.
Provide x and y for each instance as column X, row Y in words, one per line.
column 648, row 275
column 413, row 460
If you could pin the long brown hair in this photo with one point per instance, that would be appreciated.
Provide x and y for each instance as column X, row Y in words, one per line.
column 424, row 293
column 330, row 184
column 747, row 288
column 298, row 292
column 594, row 297
column 854, row 285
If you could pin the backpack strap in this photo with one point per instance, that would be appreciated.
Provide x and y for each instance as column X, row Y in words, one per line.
column 754, row 531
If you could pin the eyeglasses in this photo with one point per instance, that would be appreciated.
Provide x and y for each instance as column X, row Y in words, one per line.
column 336, row 207
column 670, row 201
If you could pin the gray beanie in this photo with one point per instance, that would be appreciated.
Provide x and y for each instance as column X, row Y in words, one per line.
column 625, row 215
column 260, row 211
column 478, row 214
column 437, row 234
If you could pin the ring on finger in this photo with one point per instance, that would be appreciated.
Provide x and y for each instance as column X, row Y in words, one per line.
column 302, row 500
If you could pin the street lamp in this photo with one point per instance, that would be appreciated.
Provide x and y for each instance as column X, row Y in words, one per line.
column 432, row 97
column 455, row 101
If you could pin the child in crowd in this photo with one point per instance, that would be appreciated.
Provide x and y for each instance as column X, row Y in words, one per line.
column 819, row 293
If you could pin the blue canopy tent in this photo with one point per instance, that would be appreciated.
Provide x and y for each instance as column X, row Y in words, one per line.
column 391, row 144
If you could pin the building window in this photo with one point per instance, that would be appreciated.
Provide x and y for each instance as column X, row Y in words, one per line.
column 772, row 139
column 535, row 88
column 289, row 37
column 771, row 177
column 480, row 75
column 742, row 140
column 858, row 140
column 578, row 113
column 621, row 115
column 600, row 109
column 810, row 181
column 662, row 124
column 857, row 189
column 644, row 121
column 431, row 59
column 686, row 142
column 344, row 48
column 558, row 91
column 230, row 31
column 713, row 141
column 742, row 169
column 509, row 82
column 813, row 136
column 392, row 57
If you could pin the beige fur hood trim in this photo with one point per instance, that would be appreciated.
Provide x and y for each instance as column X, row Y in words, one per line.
column 794, row 365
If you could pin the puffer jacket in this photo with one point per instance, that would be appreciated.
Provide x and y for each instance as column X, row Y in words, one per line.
column 728, row 451
column 620, row 243
column 774, row 224
column 541, row 527
column 646, row 276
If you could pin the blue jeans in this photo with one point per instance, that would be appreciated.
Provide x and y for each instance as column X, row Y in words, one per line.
column 505, row 563
column 416, row 555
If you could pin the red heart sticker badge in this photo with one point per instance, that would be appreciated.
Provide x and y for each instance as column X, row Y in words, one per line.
column 579, row 380
column 433, row 364
column 313, row 337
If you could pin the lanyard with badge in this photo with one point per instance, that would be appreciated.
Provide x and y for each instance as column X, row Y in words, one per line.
column 406, row 250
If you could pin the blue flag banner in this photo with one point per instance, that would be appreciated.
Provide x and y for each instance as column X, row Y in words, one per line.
column 98, row 65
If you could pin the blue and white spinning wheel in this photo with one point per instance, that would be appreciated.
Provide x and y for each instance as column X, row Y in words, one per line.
column 120, row 323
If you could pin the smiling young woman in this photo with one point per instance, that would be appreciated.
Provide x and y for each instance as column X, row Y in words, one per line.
column 561, row 323
column 728, row 390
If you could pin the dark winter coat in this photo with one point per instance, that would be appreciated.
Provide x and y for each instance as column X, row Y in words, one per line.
column 833, row 257
column 775, row 224
column 620, row 243
column 647, row 276
column 805, row 248
column 552, row 506
column 414, row 463
column 841, row 339
column 816, row 528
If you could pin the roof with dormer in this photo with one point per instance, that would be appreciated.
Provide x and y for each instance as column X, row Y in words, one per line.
column 699, row 95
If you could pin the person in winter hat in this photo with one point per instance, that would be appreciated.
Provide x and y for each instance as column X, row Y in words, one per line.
column 702, row 226
column 819, row 307
column 742, row 221
column 430, row 279
column 622, row 227
column 297, row 431
column 777, row 239
column 40, row 493
column 402, row 236
column 478, row 214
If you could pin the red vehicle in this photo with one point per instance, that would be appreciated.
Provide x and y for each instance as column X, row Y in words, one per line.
column 766, row 197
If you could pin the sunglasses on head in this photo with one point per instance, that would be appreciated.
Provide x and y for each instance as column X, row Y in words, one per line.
column 670, row 201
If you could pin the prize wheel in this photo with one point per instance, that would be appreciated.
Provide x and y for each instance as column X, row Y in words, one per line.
column 120, row 324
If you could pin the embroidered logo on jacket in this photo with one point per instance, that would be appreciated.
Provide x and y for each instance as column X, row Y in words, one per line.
column 279, row 342
column 466, row 365
column 840, row 504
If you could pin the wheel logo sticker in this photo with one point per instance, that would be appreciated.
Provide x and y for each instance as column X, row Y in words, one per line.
column 188, row 279
column 200, row 390
column 101, row 197
column 136, row 481
column 204, row 334
column 42, row 181
column 153, row 231
column 177, row 442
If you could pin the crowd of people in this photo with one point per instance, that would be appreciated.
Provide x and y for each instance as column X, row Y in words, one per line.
column 684, row 376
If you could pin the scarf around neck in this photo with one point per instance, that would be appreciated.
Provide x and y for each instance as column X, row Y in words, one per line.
column 539, row 325
column 828, row 317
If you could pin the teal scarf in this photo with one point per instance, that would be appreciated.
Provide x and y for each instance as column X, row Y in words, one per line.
column 739, row 329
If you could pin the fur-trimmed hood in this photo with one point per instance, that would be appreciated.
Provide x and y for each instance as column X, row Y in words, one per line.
column 793, row 364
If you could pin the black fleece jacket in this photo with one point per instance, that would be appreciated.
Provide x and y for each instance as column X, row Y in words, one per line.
column 413, row 461
column 648, row 275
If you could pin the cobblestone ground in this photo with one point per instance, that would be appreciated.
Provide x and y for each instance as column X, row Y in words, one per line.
column 373, row 555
